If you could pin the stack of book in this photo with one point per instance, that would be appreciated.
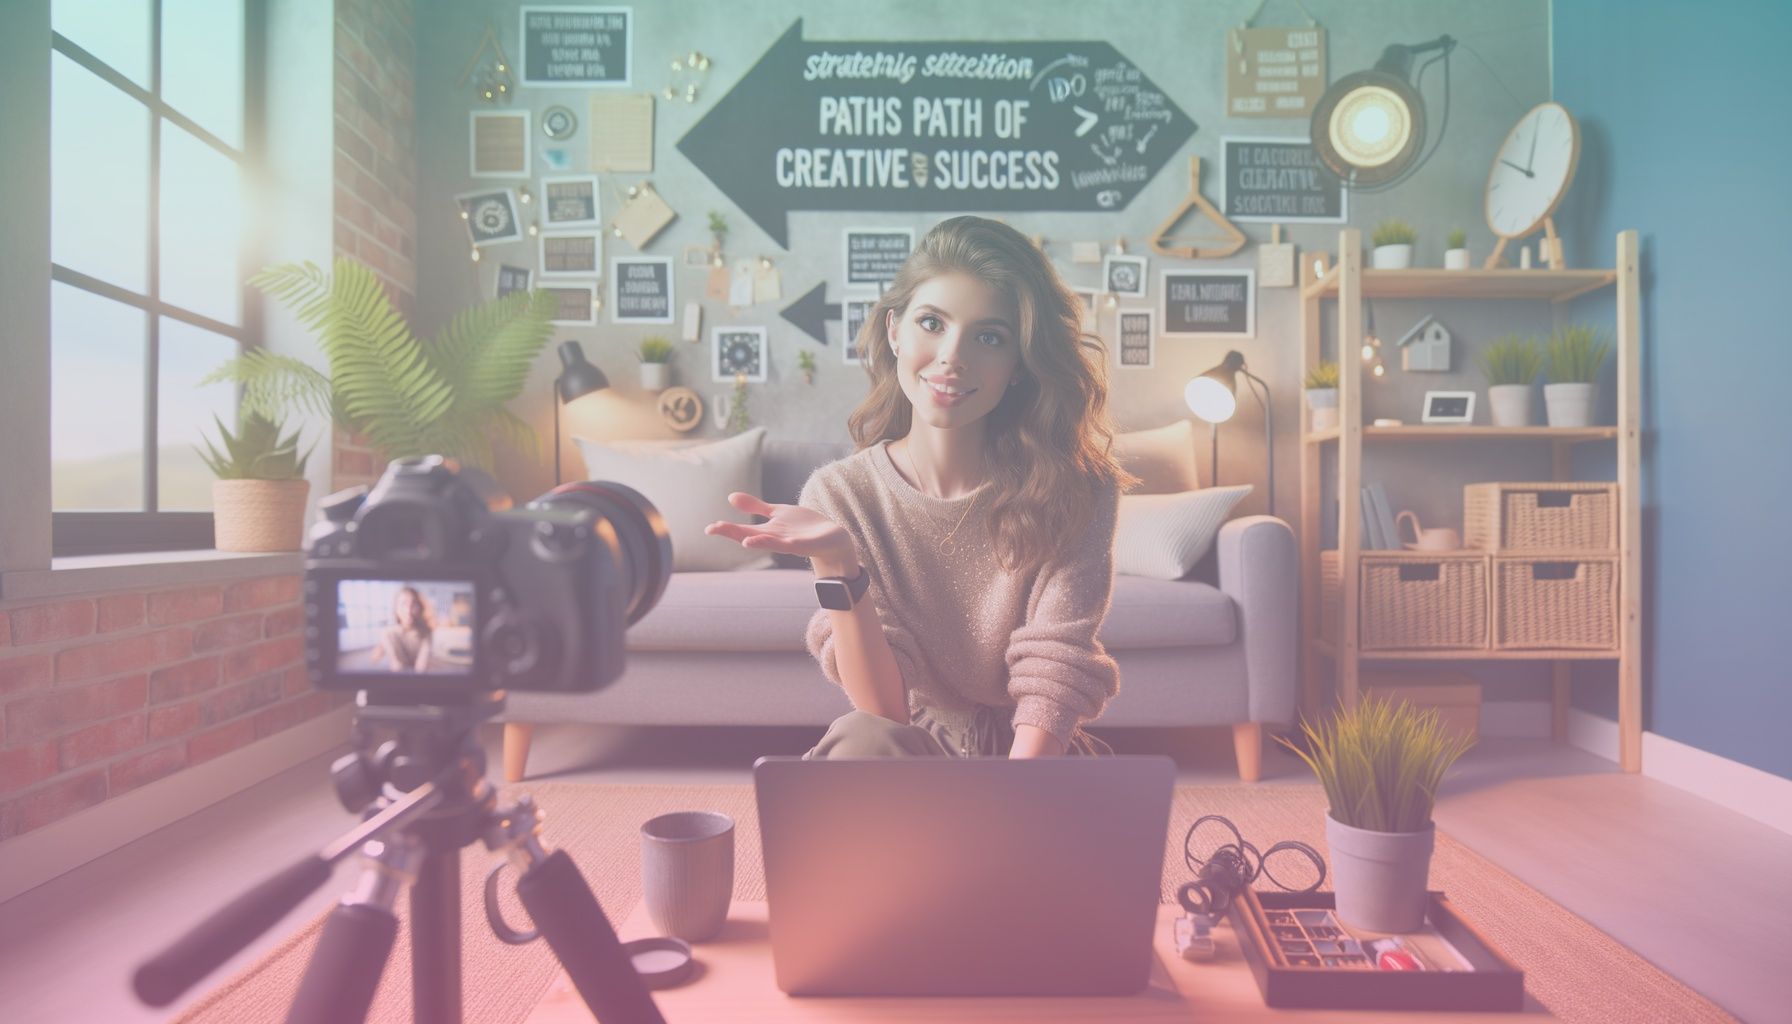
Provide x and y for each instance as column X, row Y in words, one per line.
column 1379, row 532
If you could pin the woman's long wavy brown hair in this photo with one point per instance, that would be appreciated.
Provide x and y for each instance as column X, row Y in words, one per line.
column 1049, row 442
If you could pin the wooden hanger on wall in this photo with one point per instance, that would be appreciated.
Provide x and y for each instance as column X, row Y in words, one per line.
column 1210, row 247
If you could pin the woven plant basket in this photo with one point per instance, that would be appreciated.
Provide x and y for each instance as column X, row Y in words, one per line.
column 259, row 515
column 1413, row 601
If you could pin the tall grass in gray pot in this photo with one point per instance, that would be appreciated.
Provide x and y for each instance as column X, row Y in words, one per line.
column 1381, row 764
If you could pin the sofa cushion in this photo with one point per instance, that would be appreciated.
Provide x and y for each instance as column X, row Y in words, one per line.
column 768, row 610
column 1163, row 536
column 1163, row 458
column 690, row 487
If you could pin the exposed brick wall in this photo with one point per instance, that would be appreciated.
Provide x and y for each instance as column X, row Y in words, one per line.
column 102, row 694
column 376, row 169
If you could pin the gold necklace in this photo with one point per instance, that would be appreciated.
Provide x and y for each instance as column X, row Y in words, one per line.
column 947, row 544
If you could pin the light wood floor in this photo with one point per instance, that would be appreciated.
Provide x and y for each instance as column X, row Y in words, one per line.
column 1704, row 893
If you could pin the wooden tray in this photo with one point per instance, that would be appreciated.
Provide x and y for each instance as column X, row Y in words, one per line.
column 1495, row 983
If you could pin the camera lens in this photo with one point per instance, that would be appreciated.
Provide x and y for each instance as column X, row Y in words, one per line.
column 640, row 543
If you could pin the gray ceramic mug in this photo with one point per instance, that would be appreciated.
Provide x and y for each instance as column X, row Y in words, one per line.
column 687, row 872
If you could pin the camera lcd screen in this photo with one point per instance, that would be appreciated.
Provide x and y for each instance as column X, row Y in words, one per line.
column 405, row 627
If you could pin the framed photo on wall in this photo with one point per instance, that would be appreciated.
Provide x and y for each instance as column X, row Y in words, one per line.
column 490, row 215
column 498, row 143
column 1124, row 276
column 571, row 255
column 853, row 312
column 575, row 303
column 1209, row 304
column 570, row 202
column 1135, row 343
column 512, row 279
column 1449, row 407
column 641, row 290
column 738, row 352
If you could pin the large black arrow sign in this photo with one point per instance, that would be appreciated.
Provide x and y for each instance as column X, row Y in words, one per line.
column 812, row 312
column 873, row 126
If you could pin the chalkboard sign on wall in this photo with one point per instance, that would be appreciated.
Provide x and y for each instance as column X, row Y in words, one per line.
column 874, row 255
column 641, row 290
column 1279, row 180
column 577, row 46
column 1210, row 303
column 935, row 126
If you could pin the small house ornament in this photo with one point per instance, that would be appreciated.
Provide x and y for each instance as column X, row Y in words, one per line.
column 1426, row 348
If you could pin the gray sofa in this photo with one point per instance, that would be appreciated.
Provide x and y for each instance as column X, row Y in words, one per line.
column 726, row 648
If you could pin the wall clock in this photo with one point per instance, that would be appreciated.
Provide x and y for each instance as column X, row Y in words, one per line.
column 1531, row 172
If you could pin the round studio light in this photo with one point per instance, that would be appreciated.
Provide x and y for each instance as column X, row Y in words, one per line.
column 1368, row 127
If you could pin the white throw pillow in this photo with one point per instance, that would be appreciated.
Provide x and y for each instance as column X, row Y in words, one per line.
column 1163, row 458
column 1162, row 536
column 689, row 484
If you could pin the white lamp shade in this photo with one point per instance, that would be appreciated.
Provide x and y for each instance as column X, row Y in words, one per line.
column 1210, row 400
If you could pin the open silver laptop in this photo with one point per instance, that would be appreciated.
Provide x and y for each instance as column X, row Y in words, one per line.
column 963, row 876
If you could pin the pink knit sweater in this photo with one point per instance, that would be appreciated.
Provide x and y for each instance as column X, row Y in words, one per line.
column 965, row 631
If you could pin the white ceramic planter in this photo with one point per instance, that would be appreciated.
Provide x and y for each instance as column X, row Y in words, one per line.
column 1380, row 878
column 1391, row 257
column 1510, row 404
column 1455, row 259
column 655, row 376
column 258, row 515
column 1569, row 405
column 1322, row 408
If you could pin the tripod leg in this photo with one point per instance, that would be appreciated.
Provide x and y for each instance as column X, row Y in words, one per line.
column 569, row 916
column 435, row 938
column 345, row 967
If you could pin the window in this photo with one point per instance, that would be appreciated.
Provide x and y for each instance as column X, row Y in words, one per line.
column 150, row 107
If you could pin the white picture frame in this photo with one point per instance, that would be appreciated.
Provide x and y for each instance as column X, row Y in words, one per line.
column 1120, row 327
column 849, row 352
column 584, row 189
column 1250, row 304
column 618, row 271
column 480, row 125
column 522, row 56
column 1124, row 275
column 556, row 243
column 1226, row 144
column 1434, row 411
column 846, row 276
column 559, row 289
column 727, row 341
column 490, row 215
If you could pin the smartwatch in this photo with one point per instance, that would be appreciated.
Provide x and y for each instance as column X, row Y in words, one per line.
column 837, row 593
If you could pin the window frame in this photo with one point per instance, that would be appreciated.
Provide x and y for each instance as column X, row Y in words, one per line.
column 111, row 532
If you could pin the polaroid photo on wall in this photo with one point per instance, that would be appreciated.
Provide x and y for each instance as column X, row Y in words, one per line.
column 498, row 144
column 513, row 279
column 1124, row 276
column 570, row 202
column 1135, row 342
column 738, row 352
column 854, row 311
column 575, row 304
column 490, row 215
column 571, row 255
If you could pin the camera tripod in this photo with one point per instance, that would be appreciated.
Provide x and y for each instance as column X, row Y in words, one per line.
column 423, row 795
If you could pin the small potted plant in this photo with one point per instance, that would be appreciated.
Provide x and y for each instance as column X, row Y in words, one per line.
column 805, row 361
column 1381, row 764
column 1456, row 255
column 258, row 500
column 739, row 419
column 1511, row 363
column 1322, row 396
column 1393, row 245
column 1575, row 354
column 655, row 353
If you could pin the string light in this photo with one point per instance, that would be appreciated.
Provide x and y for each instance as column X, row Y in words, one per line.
column 523, row 196
column 474, row 256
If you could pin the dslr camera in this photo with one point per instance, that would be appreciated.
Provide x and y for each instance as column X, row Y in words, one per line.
column 430, row 589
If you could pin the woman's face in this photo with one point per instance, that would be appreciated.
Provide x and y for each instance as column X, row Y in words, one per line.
column 409, row 608
column 957, row 347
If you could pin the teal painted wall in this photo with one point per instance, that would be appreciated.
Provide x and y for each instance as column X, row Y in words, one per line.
column 1677, row 104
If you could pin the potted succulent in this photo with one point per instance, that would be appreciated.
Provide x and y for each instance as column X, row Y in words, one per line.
column 1322, row 396
column 258, row 500
column 1575, row 354
column 805, row 361
column 655, row 354
column 1393, row 245
column 1510, row 364
column 1456, row 253
column 1380, row 764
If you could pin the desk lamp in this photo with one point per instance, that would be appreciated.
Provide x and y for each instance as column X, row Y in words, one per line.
column 1213, row 396
column 577, row 379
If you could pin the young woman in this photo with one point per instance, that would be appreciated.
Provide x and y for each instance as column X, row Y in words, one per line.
column 965, row 551
column 405, row 645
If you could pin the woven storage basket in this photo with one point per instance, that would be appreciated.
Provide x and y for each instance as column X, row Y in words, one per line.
column 1560, row 602
column 1540, row 516
column 1422, row 601
column 259, row 515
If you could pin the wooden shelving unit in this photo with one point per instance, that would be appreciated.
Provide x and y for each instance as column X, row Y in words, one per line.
column 1348, row 282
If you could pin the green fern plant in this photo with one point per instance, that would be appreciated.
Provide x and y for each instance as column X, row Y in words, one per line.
column 1381, row 763
column 1575, row 354
column 255, row 452
column 1394, row 232
column 1511, row 359
column 1324, row 375
column 406, row 396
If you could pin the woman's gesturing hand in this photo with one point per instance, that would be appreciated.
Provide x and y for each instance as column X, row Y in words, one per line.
column 790, row 530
